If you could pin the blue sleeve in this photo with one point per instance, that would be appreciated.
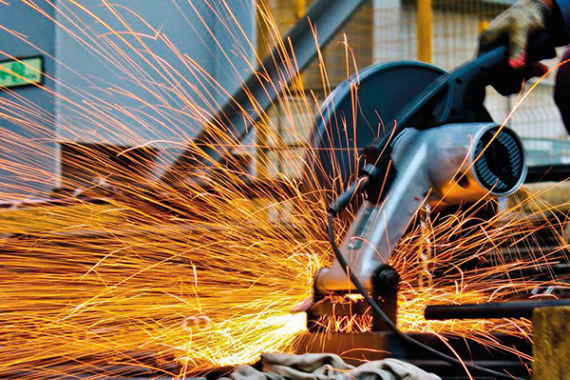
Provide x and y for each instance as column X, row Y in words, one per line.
column 562, row 17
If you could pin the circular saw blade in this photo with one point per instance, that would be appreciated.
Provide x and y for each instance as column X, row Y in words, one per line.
column 359, row 110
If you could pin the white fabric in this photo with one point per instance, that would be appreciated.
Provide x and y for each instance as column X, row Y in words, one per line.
column 327, row 367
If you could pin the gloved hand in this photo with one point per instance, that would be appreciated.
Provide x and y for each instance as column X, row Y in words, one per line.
column 513, row 28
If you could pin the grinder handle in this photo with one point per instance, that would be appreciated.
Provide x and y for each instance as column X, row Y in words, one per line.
column 450, row 91
column 467, row 83
column 540, row 47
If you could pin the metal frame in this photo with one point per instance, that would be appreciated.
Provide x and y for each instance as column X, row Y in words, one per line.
column 322, row 21
column 556, row 173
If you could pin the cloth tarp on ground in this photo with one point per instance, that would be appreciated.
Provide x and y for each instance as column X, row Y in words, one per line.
column 326, row 367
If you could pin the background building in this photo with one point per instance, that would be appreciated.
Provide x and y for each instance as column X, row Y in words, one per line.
column 104, row 87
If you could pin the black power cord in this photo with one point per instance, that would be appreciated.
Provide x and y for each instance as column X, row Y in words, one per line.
column 332, row 212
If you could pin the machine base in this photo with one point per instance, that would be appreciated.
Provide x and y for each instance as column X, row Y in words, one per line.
column 356, row 348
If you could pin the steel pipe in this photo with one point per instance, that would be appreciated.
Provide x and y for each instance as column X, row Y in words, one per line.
column 518, row 309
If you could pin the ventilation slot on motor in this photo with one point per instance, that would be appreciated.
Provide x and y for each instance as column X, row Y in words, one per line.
column 500, row 161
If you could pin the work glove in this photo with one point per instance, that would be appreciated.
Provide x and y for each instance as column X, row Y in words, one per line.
column 513, row 28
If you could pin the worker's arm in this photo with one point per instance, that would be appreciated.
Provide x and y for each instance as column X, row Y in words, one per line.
column 560, row 14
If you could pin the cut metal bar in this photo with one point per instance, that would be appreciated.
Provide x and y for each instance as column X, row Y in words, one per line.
column 555, row 173
column 323, row 20
column 519, row 309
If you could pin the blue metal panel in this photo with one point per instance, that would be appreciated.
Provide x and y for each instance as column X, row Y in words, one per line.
column 146, row 83
column 33, row 36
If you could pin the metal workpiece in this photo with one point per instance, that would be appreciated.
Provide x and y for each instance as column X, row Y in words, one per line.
column 385, row 283
column 448, row 165
column 510, row 309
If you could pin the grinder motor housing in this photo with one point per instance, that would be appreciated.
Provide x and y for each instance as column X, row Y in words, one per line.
column 448, row 165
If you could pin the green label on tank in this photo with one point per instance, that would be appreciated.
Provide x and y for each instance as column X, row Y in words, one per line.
column 21, row 72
